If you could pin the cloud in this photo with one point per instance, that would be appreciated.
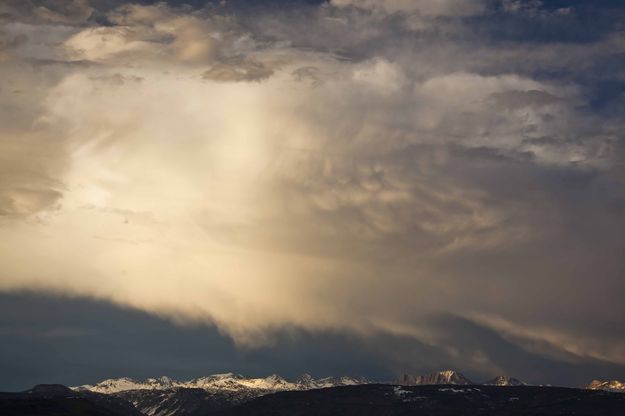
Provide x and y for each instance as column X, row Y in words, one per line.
column 48, row 11
column 237, row 69
column 307, row 168
column 104, row 42
column 131, row 343
column 523, row 99
column 149, row 33
column 426, row 7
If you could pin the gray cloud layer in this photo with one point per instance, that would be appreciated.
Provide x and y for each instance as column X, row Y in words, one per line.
column 355, row 166
column 72, row 341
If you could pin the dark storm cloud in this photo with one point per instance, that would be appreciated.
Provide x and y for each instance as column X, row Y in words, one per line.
column 73, row 341
column 50, row 11
column 529, row 21
column 80, row 11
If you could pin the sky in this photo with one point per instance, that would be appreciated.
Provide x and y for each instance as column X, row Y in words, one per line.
column 349, row 187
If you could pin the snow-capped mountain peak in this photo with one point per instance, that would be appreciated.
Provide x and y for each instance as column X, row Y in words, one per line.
column 304, row 378
column 612, row 385
column 338, row 381
column 225, row 381
column 273, row 382
column 115, row 385
column 439, row 377
column 162, row 382
column 505, row 381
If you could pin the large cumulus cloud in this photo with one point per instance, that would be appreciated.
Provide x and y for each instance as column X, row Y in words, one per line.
column 392, row 163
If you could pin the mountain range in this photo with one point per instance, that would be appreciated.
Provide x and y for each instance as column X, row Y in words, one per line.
column 164, row 396
column 434, row 400
column 456, row 378
column 222, row 382
column 232, row 393
column 362, row 400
